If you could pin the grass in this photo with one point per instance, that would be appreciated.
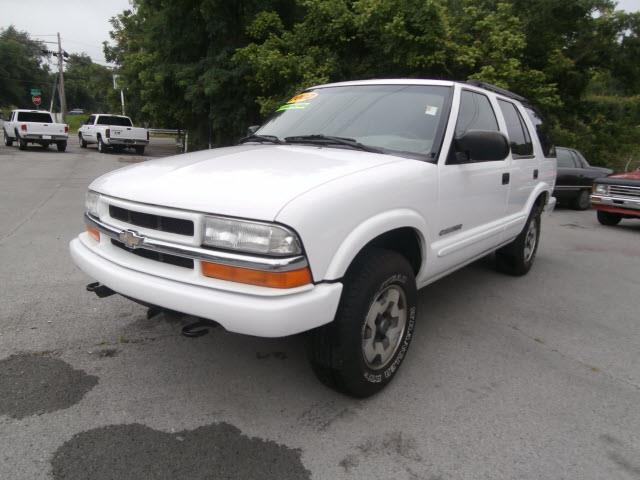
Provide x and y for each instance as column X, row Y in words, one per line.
column 75, row 121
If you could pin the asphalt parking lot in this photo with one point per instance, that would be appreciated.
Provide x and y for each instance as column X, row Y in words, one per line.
column 507, row 378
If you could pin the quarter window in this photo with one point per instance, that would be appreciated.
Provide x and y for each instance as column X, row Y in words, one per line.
column 542, row 130
column 519, row 137
column 565, row 159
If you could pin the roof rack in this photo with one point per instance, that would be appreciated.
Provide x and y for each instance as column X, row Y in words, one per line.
column 494, row 89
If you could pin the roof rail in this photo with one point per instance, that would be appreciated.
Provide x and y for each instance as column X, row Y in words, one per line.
column 494, row 89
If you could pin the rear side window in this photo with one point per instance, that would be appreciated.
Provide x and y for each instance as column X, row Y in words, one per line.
column 542, row 130
column 114, row 120
column 38, row 117
column 519, row 137
column 475, row 113
column 565, row 159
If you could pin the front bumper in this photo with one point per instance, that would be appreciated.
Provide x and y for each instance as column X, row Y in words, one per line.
column 612, row 203
column 250, row 314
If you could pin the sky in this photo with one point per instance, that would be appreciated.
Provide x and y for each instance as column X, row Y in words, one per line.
column 84, row 24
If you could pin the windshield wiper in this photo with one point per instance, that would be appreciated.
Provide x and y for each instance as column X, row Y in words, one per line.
column 261, row 139
column 329, row 139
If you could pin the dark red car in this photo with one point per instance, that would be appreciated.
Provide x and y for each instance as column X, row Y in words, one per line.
column 617, row 197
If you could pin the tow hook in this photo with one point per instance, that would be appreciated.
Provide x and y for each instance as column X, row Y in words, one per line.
column 101, row 291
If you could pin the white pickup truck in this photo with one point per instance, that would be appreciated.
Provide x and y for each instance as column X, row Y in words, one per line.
column 113, row 132
column 329, row 217
column 34, row 126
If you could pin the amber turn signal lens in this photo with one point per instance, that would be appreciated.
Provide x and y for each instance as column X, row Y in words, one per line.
column 291, row 279
column 94, row 232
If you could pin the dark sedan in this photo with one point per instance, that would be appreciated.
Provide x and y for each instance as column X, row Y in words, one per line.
column 575, row 178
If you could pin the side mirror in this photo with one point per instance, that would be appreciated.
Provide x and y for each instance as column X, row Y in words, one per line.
column 252, row 129
column 480, row 146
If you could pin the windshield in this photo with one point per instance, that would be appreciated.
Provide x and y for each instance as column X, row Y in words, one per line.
column 401, row 119
column 113, row 120
column 36, row 117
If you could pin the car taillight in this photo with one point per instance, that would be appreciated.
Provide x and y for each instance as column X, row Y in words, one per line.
column 66, row 129
column 23, row 127
column 107, row 133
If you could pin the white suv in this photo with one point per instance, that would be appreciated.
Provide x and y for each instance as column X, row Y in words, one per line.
column 329, row 217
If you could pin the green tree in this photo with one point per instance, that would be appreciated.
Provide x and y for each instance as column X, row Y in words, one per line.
column 87, row 84
column 22, row 68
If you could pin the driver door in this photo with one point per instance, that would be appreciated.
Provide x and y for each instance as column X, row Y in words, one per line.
column 473, row 194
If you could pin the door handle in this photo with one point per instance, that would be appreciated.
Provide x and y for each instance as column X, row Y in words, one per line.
column 505, row 178
column 535, row 174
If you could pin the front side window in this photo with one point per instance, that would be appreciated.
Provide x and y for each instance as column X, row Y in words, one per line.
column 475, row 113
column 114, row 120
column 90, row 120
column 405, row 120
column 36, row 117
column 519, row 137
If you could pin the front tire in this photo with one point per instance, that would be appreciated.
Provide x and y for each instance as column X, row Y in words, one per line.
column 359, row 353
column 517, row 257
column 582, row 201
column 7, row 141
column 609, row 219
column 83, row 143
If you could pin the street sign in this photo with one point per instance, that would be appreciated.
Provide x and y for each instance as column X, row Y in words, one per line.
column 36, row 99
column 36, row 92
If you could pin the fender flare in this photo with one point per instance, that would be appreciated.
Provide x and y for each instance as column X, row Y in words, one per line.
column 542, row 188
column 371, row 228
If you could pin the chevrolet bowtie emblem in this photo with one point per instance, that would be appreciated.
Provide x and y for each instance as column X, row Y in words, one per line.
column 130, row 238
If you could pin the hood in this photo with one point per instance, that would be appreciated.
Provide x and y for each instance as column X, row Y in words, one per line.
column 249, row 181
column 635, row 175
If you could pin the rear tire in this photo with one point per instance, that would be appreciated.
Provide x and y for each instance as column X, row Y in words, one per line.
column 359, row 353
column 517, row 257
column 22, row 144
column 83, row 144
column 62, row 146
column 102, row 148
column 7, row 140
column 582, row 201
column 608, row 219
column 139, row 150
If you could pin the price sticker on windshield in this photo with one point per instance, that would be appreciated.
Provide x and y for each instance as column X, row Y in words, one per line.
column 298, row 102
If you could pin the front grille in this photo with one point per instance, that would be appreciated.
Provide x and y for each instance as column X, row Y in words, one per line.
column 158, row 257
column 624, row 191
column 155, row 222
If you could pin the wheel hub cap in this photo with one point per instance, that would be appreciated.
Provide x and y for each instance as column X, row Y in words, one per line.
column 530, row 241
column 384, row 326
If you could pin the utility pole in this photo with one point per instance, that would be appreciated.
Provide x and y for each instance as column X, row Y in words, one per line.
column 115, row 87
column 63, row 98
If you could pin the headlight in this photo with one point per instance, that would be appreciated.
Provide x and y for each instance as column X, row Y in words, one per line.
column 91, row 203
column 600, row 189
column 250, row 237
